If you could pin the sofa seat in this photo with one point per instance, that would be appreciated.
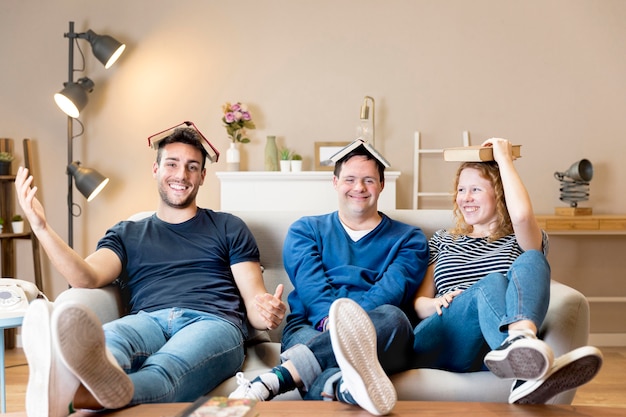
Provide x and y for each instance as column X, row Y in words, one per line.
column 566, row 326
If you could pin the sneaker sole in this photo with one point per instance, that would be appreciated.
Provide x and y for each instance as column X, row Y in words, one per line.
column 525, row 359
column 51, row 386
column 353, row 338
column 78, row 336
column 581, row 370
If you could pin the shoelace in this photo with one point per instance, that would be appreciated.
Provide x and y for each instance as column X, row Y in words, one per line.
column 243, row 382
column 248, row 388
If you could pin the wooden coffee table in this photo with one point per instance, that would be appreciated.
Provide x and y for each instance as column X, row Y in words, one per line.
column 402, row 408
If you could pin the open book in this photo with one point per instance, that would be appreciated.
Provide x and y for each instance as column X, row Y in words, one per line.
column 359, row 142
column 475, row 153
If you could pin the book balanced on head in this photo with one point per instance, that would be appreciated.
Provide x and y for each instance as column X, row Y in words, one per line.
column 476, row 153
column 354, row 145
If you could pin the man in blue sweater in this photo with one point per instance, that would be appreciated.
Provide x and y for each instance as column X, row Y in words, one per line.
column 354, row 272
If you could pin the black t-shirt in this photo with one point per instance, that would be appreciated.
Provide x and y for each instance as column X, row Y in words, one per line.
column 184, row 265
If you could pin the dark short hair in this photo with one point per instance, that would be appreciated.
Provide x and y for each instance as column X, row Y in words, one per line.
column 360, row 151
column 187, row 136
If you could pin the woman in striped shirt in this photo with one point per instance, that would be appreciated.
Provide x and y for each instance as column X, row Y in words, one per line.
column 487, row 288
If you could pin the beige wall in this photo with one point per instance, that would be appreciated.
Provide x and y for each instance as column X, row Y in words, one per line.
column 547, row 74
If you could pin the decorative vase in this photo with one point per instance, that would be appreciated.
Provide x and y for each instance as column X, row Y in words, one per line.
column 271, row 154
column 232, row 157
column 285, row 164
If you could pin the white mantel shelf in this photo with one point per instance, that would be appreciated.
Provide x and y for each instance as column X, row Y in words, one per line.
column 276, row 191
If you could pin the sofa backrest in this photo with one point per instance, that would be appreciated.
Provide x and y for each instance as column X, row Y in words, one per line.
column 270, row 228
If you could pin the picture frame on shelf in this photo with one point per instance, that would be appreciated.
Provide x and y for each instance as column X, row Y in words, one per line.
column 323, row 152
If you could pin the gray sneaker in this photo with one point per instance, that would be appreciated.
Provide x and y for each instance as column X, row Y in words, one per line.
column 520, row 357
column 353, row 338
column 571, row 370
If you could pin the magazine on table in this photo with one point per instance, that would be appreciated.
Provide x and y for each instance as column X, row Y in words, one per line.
column 219, row 407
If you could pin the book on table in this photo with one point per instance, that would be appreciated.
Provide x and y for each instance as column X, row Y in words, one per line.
column 219, row 407
column 475, row 153
column 352, row 146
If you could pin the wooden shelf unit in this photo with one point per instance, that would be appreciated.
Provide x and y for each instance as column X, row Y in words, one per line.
column 7, row 237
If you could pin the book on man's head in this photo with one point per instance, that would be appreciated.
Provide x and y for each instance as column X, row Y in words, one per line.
column 354, row 145
column 476, row 153
column 219, row 407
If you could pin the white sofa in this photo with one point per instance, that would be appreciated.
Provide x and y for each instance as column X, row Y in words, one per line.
column 565, row 328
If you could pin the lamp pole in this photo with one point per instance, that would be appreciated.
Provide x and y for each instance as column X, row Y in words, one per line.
column 71, row 35
column 71, row 100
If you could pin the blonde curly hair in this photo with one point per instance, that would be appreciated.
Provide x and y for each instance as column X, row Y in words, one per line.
column 491, row 172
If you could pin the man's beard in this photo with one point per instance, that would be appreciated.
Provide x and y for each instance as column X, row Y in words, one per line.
column 182, row 204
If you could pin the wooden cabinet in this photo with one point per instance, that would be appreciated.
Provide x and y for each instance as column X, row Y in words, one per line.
column 592, row 224
column 585, row 250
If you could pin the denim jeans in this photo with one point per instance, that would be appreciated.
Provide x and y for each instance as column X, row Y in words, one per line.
column 312, row 355
column 477, row 320
column 174, row 355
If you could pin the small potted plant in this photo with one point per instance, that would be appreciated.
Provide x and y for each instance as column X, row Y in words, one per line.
column 296, row 162
column 5, row 163
column 285, row 159
column 17, row 224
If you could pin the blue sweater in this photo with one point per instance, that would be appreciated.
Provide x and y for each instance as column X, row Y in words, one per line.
column 384, row 267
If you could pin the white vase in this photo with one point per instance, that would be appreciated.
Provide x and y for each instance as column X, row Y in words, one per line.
column 232, row 157
column 285, row 165
column 296, row 165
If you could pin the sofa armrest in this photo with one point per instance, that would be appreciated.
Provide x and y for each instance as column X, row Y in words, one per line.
column 106, row 302
column 566, row 326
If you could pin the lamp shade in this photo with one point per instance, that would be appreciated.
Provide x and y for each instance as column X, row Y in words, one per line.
column 105, row 48
column 580, row 171
column 88, row 181
column 73, row 98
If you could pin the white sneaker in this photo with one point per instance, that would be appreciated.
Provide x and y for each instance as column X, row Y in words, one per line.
column 571, row 370
column 51, row 386
column 353, row 338
column 78, row 337
column 255, row 390
column 520, row 357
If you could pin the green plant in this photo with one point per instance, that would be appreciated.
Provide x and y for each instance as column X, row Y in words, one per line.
column 296, row 157
column 6, row 156
column 285, row 154
column 1, row 222
column 17, row 218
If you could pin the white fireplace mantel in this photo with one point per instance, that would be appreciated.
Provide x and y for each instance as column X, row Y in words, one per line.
column 276, row 191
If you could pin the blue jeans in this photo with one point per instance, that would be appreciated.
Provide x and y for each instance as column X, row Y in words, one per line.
column 477, row 320
column 174, row 355
column 312, row 355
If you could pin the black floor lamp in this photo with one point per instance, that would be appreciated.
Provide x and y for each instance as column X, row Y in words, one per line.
column 72, row 99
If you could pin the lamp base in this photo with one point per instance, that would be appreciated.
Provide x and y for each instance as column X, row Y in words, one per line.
column 573, row 211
